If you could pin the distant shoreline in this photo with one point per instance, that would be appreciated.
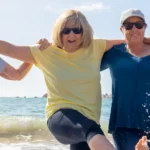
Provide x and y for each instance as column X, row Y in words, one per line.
column 105, row 96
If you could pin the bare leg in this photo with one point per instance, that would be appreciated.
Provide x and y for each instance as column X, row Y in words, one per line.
column 100, row 142
column 142, row 144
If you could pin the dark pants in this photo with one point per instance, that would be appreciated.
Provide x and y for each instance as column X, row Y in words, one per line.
column 126, row 139
column 71, row 127
column 80, row 146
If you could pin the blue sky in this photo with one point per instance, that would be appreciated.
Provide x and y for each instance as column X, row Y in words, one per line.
column 23, row 22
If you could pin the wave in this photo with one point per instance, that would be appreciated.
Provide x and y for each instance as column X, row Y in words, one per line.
column 24, row 124
column 31, row 146
column 22, row 129
column 21, row 124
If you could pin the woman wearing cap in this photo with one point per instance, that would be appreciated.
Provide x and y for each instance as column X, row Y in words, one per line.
column 129, row 66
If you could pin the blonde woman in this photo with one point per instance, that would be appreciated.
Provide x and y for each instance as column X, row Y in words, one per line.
column 71, row 70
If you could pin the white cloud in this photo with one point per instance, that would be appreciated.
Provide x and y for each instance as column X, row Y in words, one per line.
column 88, row 7
column 93, row 7
column 51, row 8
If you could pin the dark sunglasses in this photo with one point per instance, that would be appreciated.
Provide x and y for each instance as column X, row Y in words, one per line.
column 138, row 25
column 75, row 30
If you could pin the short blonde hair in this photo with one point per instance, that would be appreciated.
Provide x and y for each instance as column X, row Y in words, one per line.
column 80, row 20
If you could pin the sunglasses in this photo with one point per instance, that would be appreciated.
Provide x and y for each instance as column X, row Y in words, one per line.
column 75, row 30
column 138, row 25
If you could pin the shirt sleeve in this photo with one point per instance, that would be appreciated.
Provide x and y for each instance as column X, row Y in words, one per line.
column 2, row 65
column 106, row 60
column 99, row 46
column 38, row 55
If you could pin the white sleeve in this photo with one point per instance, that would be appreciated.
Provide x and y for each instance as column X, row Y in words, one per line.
column 2, row 65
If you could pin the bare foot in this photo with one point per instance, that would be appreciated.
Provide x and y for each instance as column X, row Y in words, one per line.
column 142, row 144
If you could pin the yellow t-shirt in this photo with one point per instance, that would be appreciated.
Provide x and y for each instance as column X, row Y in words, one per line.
column 72, row 79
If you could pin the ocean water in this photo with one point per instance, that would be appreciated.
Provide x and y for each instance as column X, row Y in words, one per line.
column 23, row 124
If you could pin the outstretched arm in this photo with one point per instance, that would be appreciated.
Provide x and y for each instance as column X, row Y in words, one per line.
column 11, row 73
column 111, row 43
column 146, row 40
column 22, row 53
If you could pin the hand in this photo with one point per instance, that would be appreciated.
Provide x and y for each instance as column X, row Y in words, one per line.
column 142, row 144
column 146, row 40
column 43, row 44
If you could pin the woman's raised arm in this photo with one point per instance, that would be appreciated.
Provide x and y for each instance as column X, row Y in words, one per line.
column 111, row 43
column 22, row 53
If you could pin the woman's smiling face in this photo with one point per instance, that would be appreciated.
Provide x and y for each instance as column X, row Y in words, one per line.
column 135, row 34
column 71, row 36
